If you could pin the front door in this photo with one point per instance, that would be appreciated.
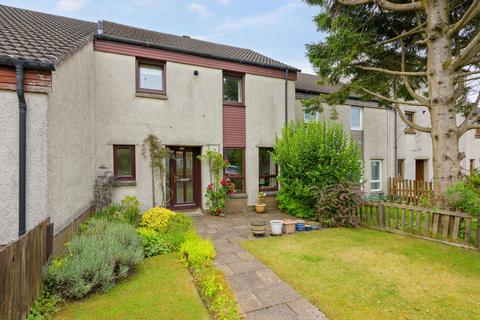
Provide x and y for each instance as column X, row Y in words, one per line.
column 184, row 180
column 420, row 170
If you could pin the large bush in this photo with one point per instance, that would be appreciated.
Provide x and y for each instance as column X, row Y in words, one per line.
column 104, row 252
column 313, row 156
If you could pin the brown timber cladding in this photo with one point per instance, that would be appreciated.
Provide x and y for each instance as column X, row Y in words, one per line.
column 35, row 81
column 234, row 132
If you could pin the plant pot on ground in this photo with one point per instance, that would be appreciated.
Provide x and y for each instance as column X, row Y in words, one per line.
column 260, row 207
column 259, row 228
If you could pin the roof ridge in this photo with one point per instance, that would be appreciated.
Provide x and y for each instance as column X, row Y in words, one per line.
column 45, row 13
column 176, row 35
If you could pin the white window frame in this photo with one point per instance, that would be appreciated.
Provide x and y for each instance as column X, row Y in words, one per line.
column 305, row 113
column 361, row 119
column 379, row 181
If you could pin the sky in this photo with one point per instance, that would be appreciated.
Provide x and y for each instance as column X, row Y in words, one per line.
column 276, row 28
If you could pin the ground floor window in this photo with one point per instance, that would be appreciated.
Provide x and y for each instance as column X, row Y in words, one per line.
column 124, row 162
column 268, row 170
column 375, row 176
column 236, row 171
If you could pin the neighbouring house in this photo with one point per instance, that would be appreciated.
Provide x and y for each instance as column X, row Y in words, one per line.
column 389, row 147
column 95, row 91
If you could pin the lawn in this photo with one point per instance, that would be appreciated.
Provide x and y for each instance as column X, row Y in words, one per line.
column 160, row 289
column 367, row 274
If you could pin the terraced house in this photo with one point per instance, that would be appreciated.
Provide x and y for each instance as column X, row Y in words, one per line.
column 92, row 92
column 389, row 147
column 77, row 97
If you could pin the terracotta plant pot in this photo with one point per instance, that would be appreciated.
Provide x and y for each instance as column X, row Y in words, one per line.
column 276, row 227
column 260, row 207
column 288, row 226
column 259, row 228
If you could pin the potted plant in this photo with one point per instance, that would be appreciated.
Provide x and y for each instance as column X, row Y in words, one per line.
column 260, row 206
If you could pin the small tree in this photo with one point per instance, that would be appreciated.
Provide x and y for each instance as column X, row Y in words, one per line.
column 312, row 157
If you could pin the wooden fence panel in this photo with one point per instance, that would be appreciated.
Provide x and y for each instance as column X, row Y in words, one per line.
column 21, row 264
column 441, row 225
column 408, row 191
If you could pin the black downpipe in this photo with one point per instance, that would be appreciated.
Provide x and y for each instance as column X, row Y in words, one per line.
column 286, row 96
column 22, row 150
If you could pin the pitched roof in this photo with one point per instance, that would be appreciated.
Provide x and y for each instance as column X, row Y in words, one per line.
column 190, row 45
column 309, row 83
column 41, row 37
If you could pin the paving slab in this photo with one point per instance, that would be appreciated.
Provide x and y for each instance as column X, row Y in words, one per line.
column 261, row 293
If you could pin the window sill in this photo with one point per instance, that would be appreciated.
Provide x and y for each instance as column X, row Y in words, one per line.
column 151, row 95
column 356, row 129
column 233, row 104
column 239, row 195
column 270, row 193
column 126, row 183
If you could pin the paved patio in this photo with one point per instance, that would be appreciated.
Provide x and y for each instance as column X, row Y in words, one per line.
column 261, row 294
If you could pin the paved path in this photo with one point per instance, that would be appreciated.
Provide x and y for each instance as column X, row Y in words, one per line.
column 261, row 294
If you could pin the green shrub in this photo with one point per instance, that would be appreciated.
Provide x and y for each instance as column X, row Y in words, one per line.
column 44, row 307
column 128, row 210
column 170, row 233
column 335, row 205
column 313, row 156
column 216, row 293
column 197, row 252
column 156, row 218
column 462, row 196
column 95, row 259
column 154, row 242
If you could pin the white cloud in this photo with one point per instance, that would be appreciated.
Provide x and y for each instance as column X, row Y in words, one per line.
column 200, row 9
column 71, row 5
column 225, row 2
column 260, row 20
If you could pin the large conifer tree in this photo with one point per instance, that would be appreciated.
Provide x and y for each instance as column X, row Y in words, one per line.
column 423, row 53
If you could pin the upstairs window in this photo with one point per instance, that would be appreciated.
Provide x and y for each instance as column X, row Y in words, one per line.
column 124, row 162
column 310, row 116
column 356, row 115
column 268, row 170
column 410, row 117
column 150, row 77
column 232, row 89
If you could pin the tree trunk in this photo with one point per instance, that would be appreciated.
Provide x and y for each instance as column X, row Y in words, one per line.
column 446, row 155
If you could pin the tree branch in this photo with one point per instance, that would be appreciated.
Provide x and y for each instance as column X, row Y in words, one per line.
column 408, row 122
column 471, row 117
column 468, row 53
column 392, row 72
column 379, row 96
column 417, row 29
column 387, row 5
column 469, row 15
column 410, row 90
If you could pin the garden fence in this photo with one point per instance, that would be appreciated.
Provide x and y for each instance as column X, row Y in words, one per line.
column 21, row 266
column 409, row 191
column 442, row 225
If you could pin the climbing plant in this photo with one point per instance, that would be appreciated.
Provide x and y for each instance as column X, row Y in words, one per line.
column 159, row 154
column 219, row 186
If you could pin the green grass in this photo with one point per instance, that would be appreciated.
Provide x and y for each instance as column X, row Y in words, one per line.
column 160, row 289
column 367, row 274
